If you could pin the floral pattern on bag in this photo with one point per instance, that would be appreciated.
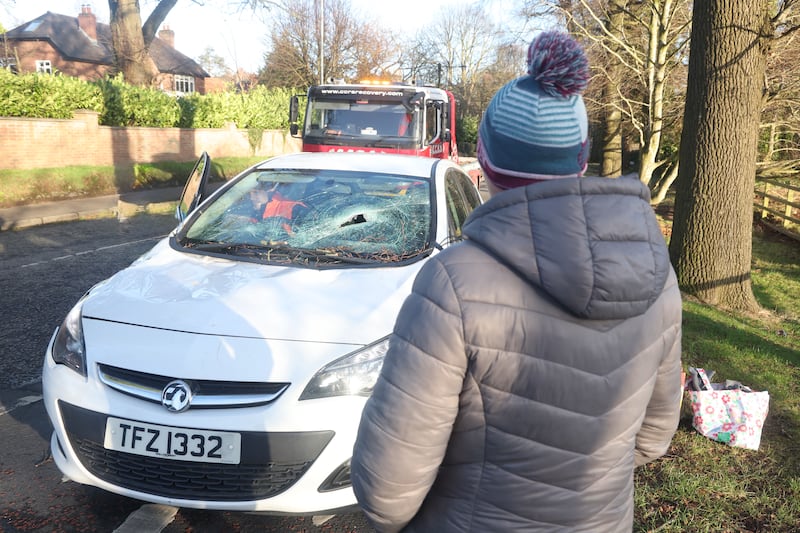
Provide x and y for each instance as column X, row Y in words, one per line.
column 733, row 416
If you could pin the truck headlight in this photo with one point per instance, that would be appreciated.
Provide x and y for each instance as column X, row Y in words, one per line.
column 68, row 347
column 354, row 374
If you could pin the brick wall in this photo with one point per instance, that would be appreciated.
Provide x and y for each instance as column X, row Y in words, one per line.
column 44, row 143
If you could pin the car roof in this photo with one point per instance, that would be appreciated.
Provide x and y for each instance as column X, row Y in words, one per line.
column 420, row 167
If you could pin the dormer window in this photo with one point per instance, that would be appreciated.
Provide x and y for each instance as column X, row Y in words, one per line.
column 44, row 66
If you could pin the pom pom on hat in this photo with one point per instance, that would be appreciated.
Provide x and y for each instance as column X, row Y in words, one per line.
column 558, row 63
column 536, row 128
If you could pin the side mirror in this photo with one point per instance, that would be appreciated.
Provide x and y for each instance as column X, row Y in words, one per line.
column 414, row 101
column 294, row 110
column 446, row 137
column 294, row 129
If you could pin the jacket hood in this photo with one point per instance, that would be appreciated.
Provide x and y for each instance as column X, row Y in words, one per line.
column 592, row 244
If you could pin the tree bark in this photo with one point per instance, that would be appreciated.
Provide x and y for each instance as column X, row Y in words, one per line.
column 612, row 115
column 711, row 244
column 155, row 19
column 657, row 64
column 131, row 52
column 611, row 166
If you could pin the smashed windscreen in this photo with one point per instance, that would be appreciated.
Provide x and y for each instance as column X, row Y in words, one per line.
column 316, row 217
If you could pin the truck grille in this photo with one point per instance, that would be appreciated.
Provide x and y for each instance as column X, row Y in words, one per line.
column 270, row 463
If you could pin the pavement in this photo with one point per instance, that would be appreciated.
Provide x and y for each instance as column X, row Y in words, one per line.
column 114, row 205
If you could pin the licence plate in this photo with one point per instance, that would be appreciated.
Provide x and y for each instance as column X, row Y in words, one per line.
column 183, row 444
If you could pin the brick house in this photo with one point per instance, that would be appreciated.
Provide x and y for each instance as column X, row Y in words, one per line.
column 81, row 47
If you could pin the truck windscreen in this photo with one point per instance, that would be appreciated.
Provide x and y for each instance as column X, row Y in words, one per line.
column 357, row 120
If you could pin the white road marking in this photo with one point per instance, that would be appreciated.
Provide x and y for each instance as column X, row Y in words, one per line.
column 100, row 249
column 149, row 518
column 318, row 520
column 22, row 402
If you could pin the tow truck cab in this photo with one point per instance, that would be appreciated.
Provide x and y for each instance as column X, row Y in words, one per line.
column 395, row 118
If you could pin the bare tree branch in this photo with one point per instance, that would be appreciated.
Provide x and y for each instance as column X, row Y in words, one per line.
column 156, row 18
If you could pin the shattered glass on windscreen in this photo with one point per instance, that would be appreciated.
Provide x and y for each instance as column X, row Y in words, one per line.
column 292, row 215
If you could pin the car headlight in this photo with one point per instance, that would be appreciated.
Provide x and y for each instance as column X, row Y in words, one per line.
column 354, row 374
column 68, row 347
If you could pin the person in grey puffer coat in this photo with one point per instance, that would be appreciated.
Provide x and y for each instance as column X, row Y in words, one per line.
column 536, row 363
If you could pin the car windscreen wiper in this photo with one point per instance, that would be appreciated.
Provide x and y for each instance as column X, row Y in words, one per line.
column 326, row 255
column 219, row 247
column 276, row 252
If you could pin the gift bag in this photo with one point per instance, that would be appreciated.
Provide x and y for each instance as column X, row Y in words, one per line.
column 729, row 413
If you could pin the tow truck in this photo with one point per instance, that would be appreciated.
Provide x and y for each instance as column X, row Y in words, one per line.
column 377, row 117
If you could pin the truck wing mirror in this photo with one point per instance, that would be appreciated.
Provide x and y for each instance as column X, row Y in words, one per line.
column 293, row 109
column 414, row 101
column 293, row 129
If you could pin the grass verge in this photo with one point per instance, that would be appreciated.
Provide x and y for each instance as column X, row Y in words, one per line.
column 702, row 485
column 21, row 187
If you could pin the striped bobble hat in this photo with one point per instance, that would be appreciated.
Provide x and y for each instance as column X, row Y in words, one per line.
column 535, row 127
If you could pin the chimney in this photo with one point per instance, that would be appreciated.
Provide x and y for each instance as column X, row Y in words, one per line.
column 88, row 21
column 168, row 36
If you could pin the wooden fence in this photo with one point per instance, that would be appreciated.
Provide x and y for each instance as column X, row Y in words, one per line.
column 775, row 206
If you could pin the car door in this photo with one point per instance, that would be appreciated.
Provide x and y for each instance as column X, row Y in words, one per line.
column 462, row 198
column 194, row 191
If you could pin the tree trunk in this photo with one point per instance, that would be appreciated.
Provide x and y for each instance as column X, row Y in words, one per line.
column 612, row 115
column 611, row 166
column 711, row 244
column 662, row 187
column 773, row 134
column 130, row 51
column 657, row 62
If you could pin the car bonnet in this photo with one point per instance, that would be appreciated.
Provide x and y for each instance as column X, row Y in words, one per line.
column 170, row 290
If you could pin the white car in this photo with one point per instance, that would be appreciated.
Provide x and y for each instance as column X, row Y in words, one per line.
column 227, row 367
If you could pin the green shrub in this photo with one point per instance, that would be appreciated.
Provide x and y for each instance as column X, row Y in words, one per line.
column 128, row 105
column 259, row 109
column 45, row 95
column 467, row 129
column 121, row 104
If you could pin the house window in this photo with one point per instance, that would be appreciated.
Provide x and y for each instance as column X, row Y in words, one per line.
column 44, row 66
column 8, row 63
column 184, row 84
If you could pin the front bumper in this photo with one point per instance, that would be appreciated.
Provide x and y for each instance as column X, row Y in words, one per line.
column 291, row 450
column 270, row 463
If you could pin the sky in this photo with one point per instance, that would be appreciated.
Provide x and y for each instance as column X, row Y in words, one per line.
column 237, row 37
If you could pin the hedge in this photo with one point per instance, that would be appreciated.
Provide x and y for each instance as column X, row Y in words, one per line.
column 120, row 104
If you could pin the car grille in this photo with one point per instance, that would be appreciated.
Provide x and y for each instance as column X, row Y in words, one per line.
column 270, row 463
column 206, row 393
column 191, row 481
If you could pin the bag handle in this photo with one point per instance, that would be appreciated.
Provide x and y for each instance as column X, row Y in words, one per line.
column 706, row 382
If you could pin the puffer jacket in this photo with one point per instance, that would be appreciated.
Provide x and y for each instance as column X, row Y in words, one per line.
column 532, row 367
